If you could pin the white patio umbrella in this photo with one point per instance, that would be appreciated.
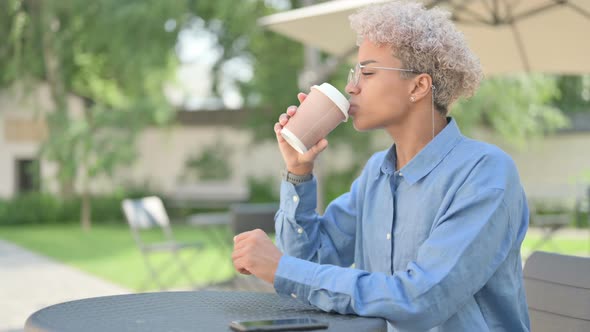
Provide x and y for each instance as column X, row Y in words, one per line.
column 509, row 36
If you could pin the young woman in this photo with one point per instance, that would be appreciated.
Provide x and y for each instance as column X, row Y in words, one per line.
column 429, row 235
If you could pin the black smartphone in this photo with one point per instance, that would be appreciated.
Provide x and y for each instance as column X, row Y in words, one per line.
column 297, row 324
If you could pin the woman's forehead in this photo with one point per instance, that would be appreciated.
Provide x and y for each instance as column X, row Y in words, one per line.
column 369, row 51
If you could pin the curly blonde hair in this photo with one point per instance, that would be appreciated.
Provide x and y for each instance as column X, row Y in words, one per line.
column 426, row 41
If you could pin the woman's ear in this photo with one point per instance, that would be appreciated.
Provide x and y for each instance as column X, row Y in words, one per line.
column 422, row 86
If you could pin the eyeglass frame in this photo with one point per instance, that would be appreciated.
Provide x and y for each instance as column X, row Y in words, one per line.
column 355, row 78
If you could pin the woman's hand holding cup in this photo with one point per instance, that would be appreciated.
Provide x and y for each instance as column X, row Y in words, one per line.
column 297, row 163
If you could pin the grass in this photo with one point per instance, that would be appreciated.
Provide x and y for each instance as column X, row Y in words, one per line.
column 109, row 252
column 577, row 246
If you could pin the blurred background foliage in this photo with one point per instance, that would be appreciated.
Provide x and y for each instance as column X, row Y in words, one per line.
column 517, row 107
column 117, row 55
column 211, row 164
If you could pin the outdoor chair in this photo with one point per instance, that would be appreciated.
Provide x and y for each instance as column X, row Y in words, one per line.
column 148, row 213
column 246, row 217
column 558, row 292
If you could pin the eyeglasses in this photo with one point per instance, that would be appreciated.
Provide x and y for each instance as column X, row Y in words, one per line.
column 354, row 75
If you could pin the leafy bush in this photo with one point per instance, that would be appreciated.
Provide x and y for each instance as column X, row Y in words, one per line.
column 31, row 208
column 582, row 219
column 45, row 208
column 211, row 164
column 263, row 190
column 338, row 183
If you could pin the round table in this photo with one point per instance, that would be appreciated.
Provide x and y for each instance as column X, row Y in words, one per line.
column 208, row 311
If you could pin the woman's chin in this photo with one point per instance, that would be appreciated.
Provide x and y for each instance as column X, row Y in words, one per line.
column 359, row 126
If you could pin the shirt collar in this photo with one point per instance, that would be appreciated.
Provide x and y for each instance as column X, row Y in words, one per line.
column 428, row 158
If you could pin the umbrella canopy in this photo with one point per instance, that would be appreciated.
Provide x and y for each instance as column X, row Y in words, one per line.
column 507, row 35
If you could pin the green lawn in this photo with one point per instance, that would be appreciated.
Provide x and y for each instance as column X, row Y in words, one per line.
column 562, row 244
column 110, row 253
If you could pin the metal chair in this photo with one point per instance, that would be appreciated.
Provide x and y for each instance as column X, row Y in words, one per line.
column 558, row 292
column 147, row 213
column 246, row 217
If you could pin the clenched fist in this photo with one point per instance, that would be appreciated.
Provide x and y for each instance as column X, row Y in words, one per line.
column 255, row 253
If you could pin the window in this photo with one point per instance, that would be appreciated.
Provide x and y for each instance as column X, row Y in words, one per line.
column 27, row 175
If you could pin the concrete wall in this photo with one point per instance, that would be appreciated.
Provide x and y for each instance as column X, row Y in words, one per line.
column 22, row 129
column 9, row 154
column 21, row 132
column 163, row 154
column 553, row 168
column 550, row 168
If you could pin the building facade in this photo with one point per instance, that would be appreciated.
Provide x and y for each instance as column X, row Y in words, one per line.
column 555, row 167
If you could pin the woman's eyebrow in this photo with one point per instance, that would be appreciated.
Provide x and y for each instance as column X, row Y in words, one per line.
column 366, row 62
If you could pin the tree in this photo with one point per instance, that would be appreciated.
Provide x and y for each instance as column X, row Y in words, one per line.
column 116, row 55
column 113, row 54
column 574, row 93
column 517, row 107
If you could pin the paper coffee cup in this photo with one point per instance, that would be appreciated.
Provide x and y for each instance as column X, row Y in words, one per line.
column 320, row 113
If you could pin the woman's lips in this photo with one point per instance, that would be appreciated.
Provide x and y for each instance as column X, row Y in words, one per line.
column 352, row 109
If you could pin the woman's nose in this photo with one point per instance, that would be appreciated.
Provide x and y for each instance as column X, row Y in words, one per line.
column 351, row 89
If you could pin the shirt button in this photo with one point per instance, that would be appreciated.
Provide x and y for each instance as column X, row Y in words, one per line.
column 295, row 199
column 300, row 230
column 293, row 295
column 401, row 174
column 388, row 236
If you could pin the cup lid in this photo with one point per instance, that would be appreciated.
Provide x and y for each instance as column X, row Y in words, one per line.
column 293, row 140
column 338, row 98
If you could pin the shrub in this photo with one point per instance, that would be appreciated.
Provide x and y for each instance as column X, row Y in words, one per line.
column 30, row 208
column 262, row 190
column 45, row 208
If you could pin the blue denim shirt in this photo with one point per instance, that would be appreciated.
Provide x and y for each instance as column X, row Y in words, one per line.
column 434, row 246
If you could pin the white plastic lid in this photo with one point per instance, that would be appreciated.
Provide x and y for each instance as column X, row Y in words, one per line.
column 338, row 98
column 293, row 140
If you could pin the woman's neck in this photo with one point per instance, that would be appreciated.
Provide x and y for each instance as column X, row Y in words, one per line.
column 414, row 134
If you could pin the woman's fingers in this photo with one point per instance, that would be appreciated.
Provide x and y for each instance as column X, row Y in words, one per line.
column 291, row 110
column 301, row 96
column 283, row 118
column 319, row 147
